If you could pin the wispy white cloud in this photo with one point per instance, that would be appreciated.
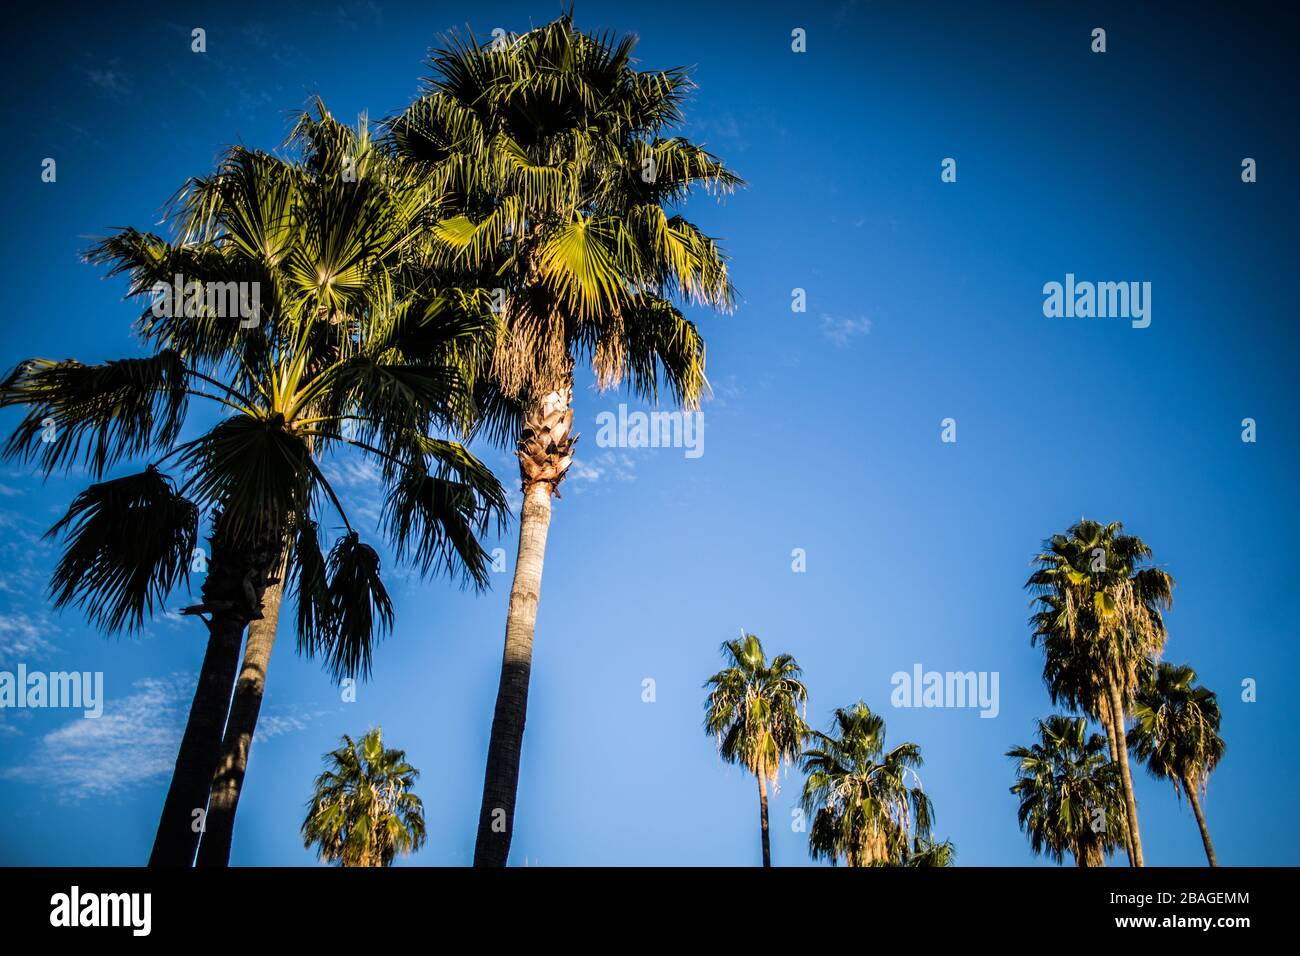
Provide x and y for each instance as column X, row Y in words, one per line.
column 606, row 466
column 352, row 472
column 844, row 13
column 361, row 479
column 270, row 726
column 23, row 638
column 723, row 391
column 132, row 743
column 114, row 82
column 24, row 554
column 841, row 331
column 720, row 131
column 367, row 14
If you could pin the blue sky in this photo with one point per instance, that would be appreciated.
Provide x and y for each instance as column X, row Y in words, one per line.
column 924, row 302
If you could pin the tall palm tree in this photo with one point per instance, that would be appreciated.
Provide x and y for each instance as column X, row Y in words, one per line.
column 562, row 183
column 1176, row 734
column 867, row 804
column 755, row 710
column 363, row 812
column 1070, row 798
column 1098, row 617
column 332, row 358
column 361, row 189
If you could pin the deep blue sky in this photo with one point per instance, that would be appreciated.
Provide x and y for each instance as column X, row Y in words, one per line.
column 924, row 302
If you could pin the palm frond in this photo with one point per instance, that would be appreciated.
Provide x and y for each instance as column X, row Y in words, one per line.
column 360, row 610
column 96, row 414
column 127, row 543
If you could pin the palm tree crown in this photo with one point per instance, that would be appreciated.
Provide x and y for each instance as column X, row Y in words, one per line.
column 1176, row 728
column 363, row 812
column 551, row 149
column 866, row 804
column 754, row 708
column 1097, row 612
column 1070, row 799
column 1176, row 734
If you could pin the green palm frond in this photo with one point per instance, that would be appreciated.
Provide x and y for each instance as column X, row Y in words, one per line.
column 128, row 542
column 435, row 516
column 360, row 610
column 96, row 414
column 254, row 469
column 310, row 587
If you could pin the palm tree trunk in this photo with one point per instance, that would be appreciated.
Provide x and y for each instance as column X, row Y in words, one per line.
column 179, row 828
column 545, row 451
column 1200, row 822
column 762, row 804
column 236, row 565
column 1121, row 745
column 1108, row 724
column 228, row 781
column 501, row 778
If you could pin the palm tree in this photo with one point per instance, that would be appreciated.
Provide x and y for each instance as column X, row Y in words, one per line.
column 754, row 711
column 1070, row 799
column 1098, row 616
column 333, row 357
column 361, row 189
column 562, row 185
column 867, row 805
column 927, row 853
column 1176, row 734
column 363, row 812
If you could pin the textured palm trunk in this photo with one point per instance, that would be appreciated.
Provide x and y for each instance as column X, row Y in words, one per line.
column 179, row 826
column 1121, row 745
column 228, row 781
column 233, row 568
column 1200, row 822
column 1108, row 724
column 545, row 451
column 762, row 810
